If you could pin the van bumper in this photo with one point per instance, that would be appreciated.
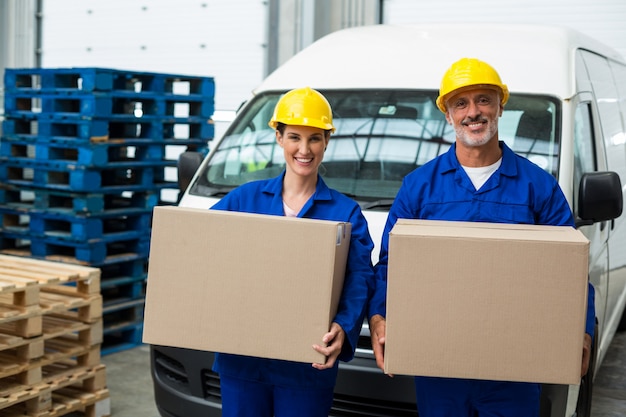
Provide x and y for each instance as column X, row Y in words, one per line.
column 184, row 385
column 363, row 390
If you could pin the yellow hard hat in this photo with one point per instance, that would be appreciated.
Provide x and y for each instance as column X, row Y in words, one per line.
column 303, row 107
column 469, row 72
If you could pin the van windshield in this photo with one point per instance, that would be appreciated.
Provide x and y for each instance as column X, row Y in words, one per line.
column 381, row 135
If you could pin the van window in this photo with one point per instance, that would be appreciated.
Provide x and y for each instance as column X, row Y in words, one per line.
column 381, row 135
column 608, row 103
column 619, row 74
column 584, row 149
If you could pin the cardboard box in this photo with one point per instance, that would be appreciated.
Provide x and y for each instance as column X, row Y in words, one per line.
column 486, row 301
column 247, row 284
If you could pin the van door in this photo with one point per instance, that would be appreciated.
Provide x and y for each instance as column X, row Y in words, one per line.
column 589, row 156
column 617, row 239
column 612, row 132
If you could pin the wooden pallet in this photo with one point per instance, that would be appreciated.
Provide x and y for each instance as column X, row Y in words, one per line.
column 50, row 336
column 64, row 351
column 22, row 271
column 30, row 288
column 65, row 390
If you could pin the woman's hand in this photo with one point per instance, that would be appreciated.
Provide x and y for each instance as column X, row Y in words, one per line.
column 586, row 355
column 378, row 329
column 334, row 342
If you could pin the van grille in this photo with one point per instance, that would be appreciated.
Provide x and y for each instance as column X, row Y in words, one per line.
column 171, row 371
column 364, row 342
column 347, row 406
column 211, row 384
column 174, row 373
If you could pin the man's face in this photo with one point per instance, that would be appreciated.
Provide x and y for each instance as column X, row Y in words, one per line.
column 474, row 115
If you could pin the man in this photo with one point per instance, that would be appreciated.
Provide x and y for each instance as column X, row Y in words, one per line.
column 479, row 179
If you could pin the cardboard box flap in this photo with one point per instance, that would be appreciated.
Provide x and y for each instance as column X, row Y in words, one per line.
column 519, row 232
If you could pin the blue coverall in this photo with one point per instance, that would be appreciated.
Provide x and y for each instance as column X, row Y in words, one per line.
column 518, row 192
column 267, row 387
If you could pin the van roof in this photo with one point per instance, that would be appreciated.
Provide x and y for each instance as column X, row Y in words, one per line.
column 529, row 58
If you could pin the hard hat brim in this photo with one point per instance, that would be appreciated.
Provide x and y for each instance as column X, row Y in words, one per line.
column 502, row 90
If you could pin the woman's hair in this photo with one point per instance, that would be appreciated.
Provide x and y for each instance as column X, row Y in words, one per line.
column 281, row 128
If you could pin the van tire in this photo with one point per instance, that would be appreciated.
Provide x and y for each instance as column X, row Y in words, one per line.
column 585, row 393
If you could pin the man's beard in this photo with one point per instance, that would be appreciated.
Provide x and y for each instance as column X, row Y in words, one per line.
column 468, row 140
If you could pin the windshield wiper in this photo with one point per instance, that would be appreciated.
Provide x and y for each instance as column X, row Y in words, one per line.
column 378, row 204
column 206, row 191
column 218, row 193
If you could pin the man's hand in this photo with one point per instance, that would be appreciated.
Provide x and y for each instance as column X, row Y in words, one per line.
column 378, row 329
column 586, row 355
column 334, row 342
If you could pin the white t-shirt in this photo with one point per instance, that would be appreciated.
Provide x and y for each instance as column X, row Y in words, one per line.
column 288, row 211
column 480, row 175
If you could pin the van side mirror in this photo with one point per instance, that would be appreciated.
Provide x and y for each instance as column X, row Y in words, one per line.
column 188, row 164
column 599, row 197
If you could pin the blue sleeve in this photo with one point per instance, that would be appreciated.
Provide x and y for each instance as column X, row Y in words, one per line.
column 358, row 283
column 399, row 209
column 229, row 202
column 558, row 212
column 590, row 326
column 554, row 210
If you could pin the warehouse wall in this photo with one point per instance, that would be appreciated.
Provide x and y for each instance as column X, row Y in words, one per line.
column 222, row 39
column 19, row 39
column 238, row 42
column 294, row 24
column 600, row 19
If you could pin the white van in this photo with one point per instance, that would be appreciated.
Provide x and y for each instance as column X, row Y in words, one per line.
column 566, row 113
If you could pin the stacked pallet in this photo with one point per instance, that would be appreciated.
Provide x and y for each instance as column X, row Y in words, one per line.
column 50, row 337
column 85, row 155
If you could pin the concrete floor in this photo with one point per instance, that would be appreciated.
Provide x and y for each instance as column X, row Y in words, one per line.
column 609, row 395
column 130, row 384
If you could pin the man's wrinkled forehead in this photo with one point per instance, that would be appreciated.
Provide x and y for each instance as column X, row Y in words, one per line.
column 485, row 89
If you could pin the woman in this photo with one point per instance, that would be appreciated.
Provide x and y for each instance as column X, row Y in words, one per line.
column 258, row 387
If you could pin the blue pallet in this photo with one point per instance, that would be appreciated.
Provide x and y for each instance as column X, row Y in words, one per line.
column 116, row 345
column 21, row 198
column 16, row 222
column 75, row 130
column 112, row 154
column 105, row 79
column 120, row 338
column 104, row 180
column 122, row 323
column 113, row 226
column 91, row 252
column 106, row 105
column 18, row 246
column 127, row 270
column 121, row 313
column 124, row 291
column 105, row 227
column 129, row 286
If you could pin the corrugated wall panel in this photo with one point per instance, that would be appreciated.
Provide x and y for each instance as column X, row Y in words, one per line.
column 18, row 38
column 600, row 19
column 222, row 39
